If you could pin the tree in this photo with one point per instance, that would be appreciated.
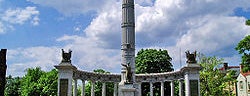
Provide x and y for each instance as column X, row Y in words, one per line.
column 243, row 48
column 213, row 82
column 98, row 86
column 39, row 83
column 153, row 61
column 13, row 86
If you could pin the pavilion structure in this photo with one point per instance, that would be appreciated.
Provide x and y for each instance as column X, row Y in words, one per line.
column 128, row 83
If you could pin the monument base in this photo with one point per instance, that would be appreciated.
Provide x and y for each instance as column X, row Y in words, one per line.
column 127, row 90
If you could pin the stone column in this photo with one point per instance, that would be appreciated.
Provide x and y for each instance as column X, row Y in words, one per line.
column 93, row 88
column 187, row 84
column 172, row 88
column 180, row 88
column 139, row 89
column 103, row 89
column 115, row 89
column 151, row 89
column 83, row 87
column 75, row 88
column 162, row 88
column 3, row 68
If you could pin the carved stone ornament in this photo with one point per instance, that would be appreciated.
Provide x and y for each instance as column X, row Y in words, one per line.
column 128, row 75
column 66, row 56
column 191, row 57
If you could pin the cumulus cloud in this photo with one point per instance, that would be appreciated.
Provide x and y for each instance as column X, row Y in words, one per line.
column 23, row 58
column 19, row 15
column 202, row 25
column 71, row 7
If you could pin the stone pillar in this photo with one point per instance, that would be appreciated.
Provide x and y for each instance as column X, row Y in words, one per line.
column 172, row 88
column 180, row 88
column 83, row 87
column 3, row 68
column 115, row 89
column 151, row 89
column 162, row 88
column 192, row 79
column 65, row 77
column 75, row 88
column 93, row 88
column 139, row 89
column 103, row 89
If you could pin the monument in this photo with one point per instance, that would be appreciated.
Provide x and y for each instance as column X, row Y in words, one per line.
column 128, row 83
column 3, row 68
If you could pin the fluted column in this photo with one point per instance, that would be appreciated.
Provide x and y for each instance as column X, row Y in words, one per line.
column 83, row 88
column 115, row 89
column 93, row 88
column 162, row 88
column 151, row 89
column 75, row 88
column 172, row 88
column 187, row 85
column 103, row 89
column 139, row 89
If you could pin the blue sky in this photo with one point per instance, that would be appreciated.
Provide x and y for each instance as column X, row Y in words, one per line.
column 35, row 31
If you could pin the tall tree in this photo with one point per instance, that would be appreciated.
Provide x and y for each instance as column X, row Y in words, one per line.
column 153, row 61
column 39, row 83
column 243, row 48
column 98, row 86
column 213, row 81
column 13, row 86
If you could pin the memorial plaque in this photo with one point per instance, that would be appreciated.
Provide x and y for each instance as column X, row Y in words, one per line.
column 194, row 87
column 63, row 87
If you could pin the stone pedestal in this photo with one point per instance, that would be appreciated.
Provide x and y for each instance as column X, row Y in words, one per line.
column 65, row 78
column 127, row 90
column 192, row 79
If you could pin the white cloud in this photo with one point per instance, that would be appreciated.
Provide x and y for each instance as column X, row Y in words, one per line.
column 20, row 16
column 2, row 28
column 207, row 26
column 44, row 57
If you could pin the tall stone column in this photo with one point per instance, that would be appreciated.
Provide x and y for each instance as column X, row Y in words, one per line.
column 65, row 75
column 92, row 88
column 83, row 87
column 115, row 89
column 151, row 89
column 3, row 68
column 127, row 84
column 103, row 89
column 162, row 88
column 172, row 88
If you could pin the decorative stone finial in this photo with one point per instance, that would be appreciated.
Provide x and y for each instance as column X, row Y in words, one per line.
column 191, row 57
column 66, row 56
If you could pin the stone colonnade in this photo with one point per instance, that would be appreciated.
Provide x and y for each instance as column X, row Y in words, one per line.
column 189, row 75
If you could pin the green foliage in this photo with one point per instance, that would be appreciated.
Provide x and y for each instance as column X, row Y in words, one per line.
column 214, row 82
column 248, row 22
column 39, row 83
column 243, row 48
column 153, row 61
column 13, row 86
column 98, row 86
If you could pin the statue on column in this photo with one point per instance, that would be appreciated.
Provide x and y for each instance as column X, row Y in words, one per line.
column 66, row 56
column 191, row 57
column 3, row 68
column 128, row 75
